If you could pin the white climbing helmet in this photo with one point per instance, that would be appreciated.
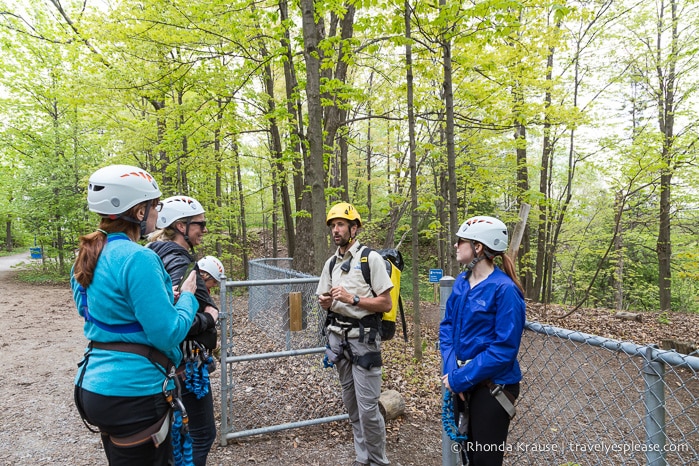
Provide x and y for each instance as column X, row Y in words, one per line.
column 212, row 266
column 177, row 207
column 115, row 189
column 489, row 231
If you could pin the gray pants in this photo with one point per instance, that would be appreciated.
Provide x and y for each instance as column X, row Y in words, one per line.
column 361, row 389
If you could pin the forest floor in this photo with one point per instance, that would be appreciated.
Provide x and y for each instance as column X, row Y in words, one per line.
column 42, row 341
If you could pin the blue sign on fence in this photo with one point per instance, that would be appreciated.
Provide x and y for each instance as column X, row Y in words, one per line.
column 435, row 275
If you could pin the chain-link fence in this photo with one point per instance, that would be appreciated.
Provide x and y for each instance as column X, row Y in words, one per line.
column 588, row 400
column 272, row 374
column 592, row 400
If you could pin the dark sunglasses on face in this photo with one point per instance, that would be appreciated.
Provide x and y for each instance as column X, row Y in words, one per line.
column 202, row 224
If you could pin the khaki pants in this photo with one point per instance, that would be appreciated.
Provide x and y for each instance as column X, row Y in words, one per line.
column 361, row 389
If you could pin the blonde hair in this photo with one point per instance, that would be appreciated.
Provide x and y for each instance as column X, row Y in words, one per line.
column 169, row 233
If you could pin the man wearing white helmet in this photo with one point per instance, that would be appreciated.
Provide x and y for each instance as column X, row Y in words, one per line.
column 479, row 339
column 126, row 298
column 182, row 226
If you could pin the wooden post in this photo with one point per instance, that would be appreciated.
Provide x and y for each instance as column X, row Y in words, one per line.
column 295, row 311
column 519, row 232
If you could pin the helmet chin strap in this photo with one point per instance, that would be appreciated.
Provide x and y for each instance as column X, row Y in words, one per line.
column 487, row 253
column 186, row 236
column 476, row 259
column 143, row 224
column 348, row 242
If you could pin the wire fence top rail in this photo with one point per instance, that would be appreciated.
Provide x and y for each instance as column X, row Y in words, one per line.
column 649, row 352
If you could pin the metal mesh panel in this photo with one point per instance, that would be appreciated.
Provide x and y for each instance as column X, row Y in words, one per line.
column 268, row 305
column 594, row 401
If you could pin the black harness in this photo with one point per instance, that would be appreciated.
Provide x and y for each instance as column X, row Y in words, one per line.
column 372, row 322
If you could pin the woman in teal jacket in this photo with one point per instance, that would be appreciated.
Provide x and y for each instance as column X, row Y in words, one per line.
column 132, row 322
column 479, row 339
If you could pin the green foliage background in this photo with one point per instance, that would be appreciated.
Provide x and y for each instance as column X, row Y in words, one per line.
column 178, row 88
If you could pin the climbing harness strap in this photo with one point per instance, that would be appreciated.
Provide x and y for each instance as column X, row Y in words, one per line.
column 157, row 433
column 368, row 360
column 505, row 398
column 132, row 327
column 371, row 321
column 148, row 352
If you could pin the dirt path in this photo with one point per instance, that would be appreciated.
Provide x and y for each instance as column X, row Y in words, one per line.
column 41, row 342
column 7, row 263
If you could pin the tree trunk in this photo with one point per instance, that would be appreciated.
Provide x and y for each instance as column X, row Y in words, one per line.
column 451, row 152
column 218, row 157
column 278, row 168
column 368, row 150
column 618, row 250
column 417, row 341
column 241, row 200
column 334, row 115
column 8, row 236
column 544, row 206
column 666, row 122
column 313, row 232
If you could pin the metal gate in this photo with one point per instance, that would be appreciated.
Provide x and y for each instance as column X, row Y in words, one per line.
column 272, row 372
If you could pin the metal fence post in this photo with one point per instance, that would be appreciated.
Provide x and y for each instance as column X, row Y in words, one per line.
column 449, row 447
column 223, row 325
column 654, row 399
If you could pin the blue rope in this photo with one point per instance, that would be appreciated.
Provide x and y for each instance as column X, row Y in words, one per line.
column 176, row 440
column 326, row 361
column 449, row 419
column 182, row 449
column 197, row 378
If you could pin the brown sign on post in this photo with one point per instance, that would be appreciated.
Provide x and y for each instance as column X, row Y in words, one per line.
column 295, row 311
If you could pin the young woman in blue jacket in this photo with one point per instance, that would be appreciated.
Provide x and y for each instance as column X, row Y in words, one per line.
column 132, row 322
column 479, row 339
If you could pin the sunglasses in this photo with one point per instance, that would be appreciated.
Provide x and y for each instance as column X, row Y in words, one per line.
column 158, row 206
column 202, row 224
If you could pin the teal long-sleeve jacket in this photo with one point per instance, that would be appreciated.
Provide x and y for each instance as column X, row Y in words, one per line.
column 131, row 288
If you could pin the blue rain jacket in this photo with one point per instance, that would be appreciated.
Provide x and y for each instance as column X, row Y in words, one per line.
column 130, row 285
column 484, row 325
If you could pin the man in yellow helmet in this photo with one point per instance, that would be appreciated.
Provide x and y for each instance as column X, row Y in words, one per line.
column 355, row 311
